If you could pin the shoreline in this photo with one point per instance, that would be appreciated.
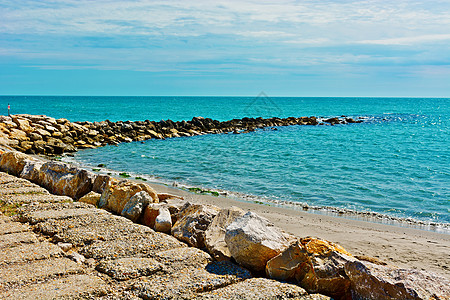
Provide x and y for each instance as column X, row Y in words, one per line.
column 337, row 212
column 401, row 246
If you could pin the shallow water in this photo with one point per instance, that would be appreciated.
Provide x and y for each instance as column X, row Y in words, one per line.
column 397, row 162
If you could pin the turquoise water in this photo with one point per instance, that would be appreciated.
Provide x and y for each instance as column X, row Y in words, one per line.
column 396, row 163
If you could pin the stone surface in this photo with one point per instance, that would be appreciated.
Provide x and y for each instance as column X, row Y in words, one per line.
column 175, row 260
column 29, row 252
column 193, row 220
column 215, row 234
column 63, row 179
column 258, row 288
column 187, row 283
column 163, row 221
column 253, row 240
column 135, row 206
column 117, row 194
column 13, row 162
column 316, row 265
column 371, row 281
column 15, row 239
column 69, row 287
column 11, row 275
column 31, row 170
column 91, row 198
column 129, row 267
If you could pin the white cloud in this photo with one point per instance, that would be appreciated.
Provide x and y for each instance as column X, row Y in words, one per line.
column 430, row 38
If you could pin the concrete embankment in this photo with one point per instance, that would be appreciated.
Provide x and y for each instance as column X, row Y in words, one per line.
column 137, row 246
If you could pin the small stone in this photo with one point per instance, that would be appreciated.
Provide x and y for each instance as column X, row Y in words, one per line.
column 77, row 257
column 65, row 246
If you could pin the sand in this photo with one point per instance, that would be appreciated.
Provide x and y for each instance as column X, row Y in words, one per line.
column 395, row 245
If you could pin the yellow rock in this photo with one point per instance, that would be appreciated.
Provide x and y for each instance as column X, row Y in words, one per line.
column 17, row 134
column 117, row 194
column 23, row 124
column 91, row 198
column 13, row 162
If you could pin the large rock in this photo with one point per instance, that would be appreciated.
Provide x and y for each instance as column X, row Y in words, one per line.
column 134, row 208
column 253, row 240
column 316, row 265
column 13, row 162
column 118, row 193
column 63, row 179
column 215, row 234
column 23, row 124
column 100, row 183
column 31, row 170
column 17, row 134
column 372, row 281
column 193, row 220
column 91, row 198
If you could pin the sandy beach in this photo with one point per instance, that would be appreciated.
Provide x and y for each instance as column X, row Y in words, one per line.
column 395, row 245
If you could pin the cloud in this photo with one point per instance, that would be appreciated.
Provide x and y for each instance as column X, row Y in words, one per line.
column 430, row 38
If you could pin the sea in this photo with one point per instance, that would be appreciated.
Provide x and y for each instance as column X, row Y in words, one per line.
column 394, row 164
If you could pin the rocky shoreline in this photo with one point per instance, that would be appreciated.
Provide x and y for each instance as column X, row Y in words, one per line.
column 226, row 236
column 33, row 134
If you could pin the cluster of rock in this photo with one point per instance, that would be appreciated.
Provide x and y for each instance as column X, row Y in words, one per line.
column 45, row 135
column 228, row 235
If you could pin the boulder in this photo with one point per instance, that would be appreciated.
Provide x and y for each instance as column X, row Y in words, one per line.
column 193, row 220
column 17, row 134
column 62, row 179
column 100, row 183
column 134, row 208
column 23, row 124
column 31, row 170
column 215, row 234
column 314, row 264
column 91, row 198
column 164, row 196
column 118, row 193
column 42, row 132
column 163, row 222
column 372, row 281
column 253, row 240
column 13, row 162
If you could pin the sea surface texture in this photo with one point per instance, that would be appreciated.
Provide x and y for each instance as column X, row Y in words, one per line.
column 397, row 162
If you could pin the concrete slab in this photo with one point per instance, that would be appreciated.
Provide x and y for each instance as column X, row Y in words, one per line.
column 70, row 287
column 15, row 239
column 257, row 288
column 19, row 274
column 186, row 283
column 132, row 245
column 129, row 267
column 12, row 227
column 29, row 252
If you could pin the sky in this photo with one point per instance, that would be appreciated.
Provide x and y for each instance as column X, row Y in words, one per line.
column 282, row 48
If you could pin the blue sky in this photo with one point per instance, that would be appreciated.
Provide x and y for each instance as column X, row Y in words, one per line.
column 284, row 48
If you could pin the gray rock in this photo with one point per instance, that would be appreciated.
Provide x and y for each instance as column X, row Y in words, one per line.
column 371, row 281
column 193, row 220
column 163, row 222
column 215, row 234
column 253, row 240
column 135, row 206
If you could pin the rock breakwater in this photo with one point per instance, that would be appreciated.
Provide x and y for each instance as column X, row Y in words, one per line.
column 156, row 265
column 45, row 135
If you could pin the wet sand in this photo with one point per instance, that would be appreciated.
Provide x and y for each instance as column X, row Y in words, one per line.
column 395, row 245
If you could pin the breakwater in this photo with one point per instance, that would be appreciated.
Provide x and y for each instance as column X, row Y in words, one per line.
column 49, row 136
